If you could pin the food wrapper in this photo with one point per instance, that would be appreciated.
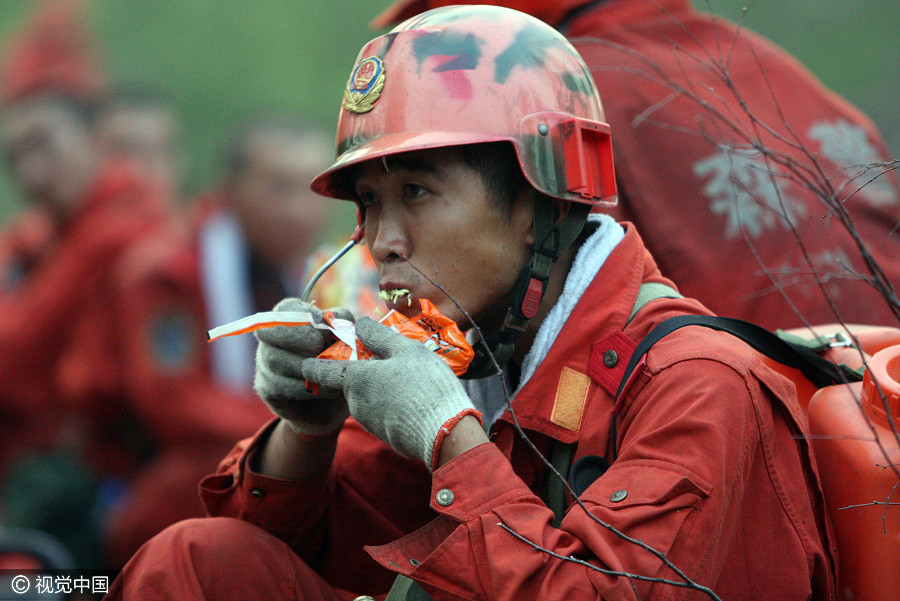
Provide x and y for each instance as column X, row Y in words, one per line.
column 341, row 328
column 438, row 333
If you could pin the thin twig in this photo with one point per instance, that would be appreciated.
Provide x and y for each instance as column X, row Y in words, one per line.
column 812, row 176
column 868, row 505
column 586, row 564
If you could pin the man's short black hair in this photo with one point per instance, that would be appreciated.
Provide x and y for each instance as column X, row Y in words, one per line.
column 499, row 168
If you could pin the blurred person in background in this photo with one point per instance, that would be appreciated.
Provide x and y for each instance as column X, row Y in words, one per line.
column 261, row 233
column 109, row 413
column 731, row 225
column 139, row 124
column 81, row 215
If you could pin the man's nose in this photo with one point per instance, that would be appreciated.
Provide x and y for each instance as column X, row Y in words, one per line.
column 387, row 236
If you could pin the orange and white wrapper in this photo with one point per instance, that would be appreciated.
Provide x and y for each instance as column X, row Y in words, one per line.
column 342, row 329
column 437, row 332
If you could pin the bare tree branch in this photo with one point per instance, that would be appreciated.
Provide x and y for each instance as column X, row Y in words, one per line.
column 591, row 566
column 886, row 504
column 749, row 131
column 812, row 176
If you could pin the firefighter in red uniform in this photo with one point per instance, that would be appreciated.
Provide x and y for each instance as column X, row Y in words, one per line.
column 255, row 233
column 103, row 333
column 474, row 146
column 733, row 227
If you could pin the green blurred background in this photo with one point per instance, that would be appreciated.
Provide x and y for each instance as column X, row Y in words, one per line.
column 223, row 59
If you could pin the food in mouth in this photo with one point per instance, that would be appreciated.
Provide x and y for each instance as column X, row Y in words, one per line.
column 395, row 294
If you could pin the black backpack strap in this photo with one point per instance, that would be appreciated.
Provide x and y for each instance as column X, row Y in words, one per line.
column 821, row 372
column 792, row 353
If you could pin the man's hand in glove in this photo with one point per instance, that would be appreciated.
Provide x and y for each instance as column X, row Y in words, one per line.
column 279, row 381
column 409, row 398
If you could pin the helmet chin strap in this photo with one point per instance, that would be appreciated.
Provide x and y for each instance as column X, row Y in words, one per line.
column 550, row 240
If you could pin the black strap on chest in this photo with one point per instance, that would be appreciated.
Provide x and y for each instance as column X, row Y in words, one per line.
column 818, row 370
column 821, row 372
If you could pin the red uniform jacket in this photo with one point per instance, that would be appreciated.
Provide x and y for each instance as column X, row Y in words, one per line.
column 704, row 197
column 49, row 280
column 713, row 470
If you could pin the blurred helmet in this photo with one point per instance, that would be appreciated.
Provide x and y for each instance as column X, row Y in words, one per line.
column 52, row 52
column 469, row 74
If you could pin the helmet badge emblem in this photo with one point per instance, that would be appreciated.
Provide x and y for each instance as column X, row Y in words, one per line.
column 364, row 86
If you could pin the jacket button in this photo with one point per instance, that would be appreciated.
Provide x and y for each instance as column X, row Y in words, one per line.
column 610, row 358
column 257, row 493
column 618, row 495
column 444, row 497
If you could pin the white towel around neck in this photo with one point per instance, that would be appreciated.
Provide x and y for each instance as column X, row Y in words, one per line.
column 487, row 393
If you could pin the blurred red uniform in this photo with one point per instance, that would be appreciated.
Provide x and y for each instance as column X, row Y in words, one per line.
column 48, row 279
column 102, row 344
column 105, row 351
column 704, row 198
column 257, row 236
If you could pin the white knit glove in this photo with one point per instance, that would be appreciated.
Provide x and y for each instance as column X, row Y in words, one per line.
column 279, row 381
column 409, row 398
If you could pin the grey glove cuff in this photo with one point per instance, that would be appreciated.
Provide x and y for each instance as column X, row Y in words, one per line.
column 419, row 434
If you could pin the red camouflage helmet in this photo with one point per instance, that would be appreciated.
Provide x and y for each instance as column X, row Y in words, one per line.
column 470, row 74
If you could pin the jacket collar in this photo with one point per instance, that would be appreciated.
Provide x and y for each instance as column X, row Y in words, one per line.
column 602, row 311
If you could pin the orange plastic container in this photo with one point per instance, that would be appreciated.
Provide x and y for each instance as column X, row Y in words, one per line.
column 871, row 339
column 860, row 476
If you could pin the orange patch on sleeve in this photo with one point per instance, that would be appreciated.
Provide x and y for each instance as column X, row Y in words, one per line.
column 571, row 396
